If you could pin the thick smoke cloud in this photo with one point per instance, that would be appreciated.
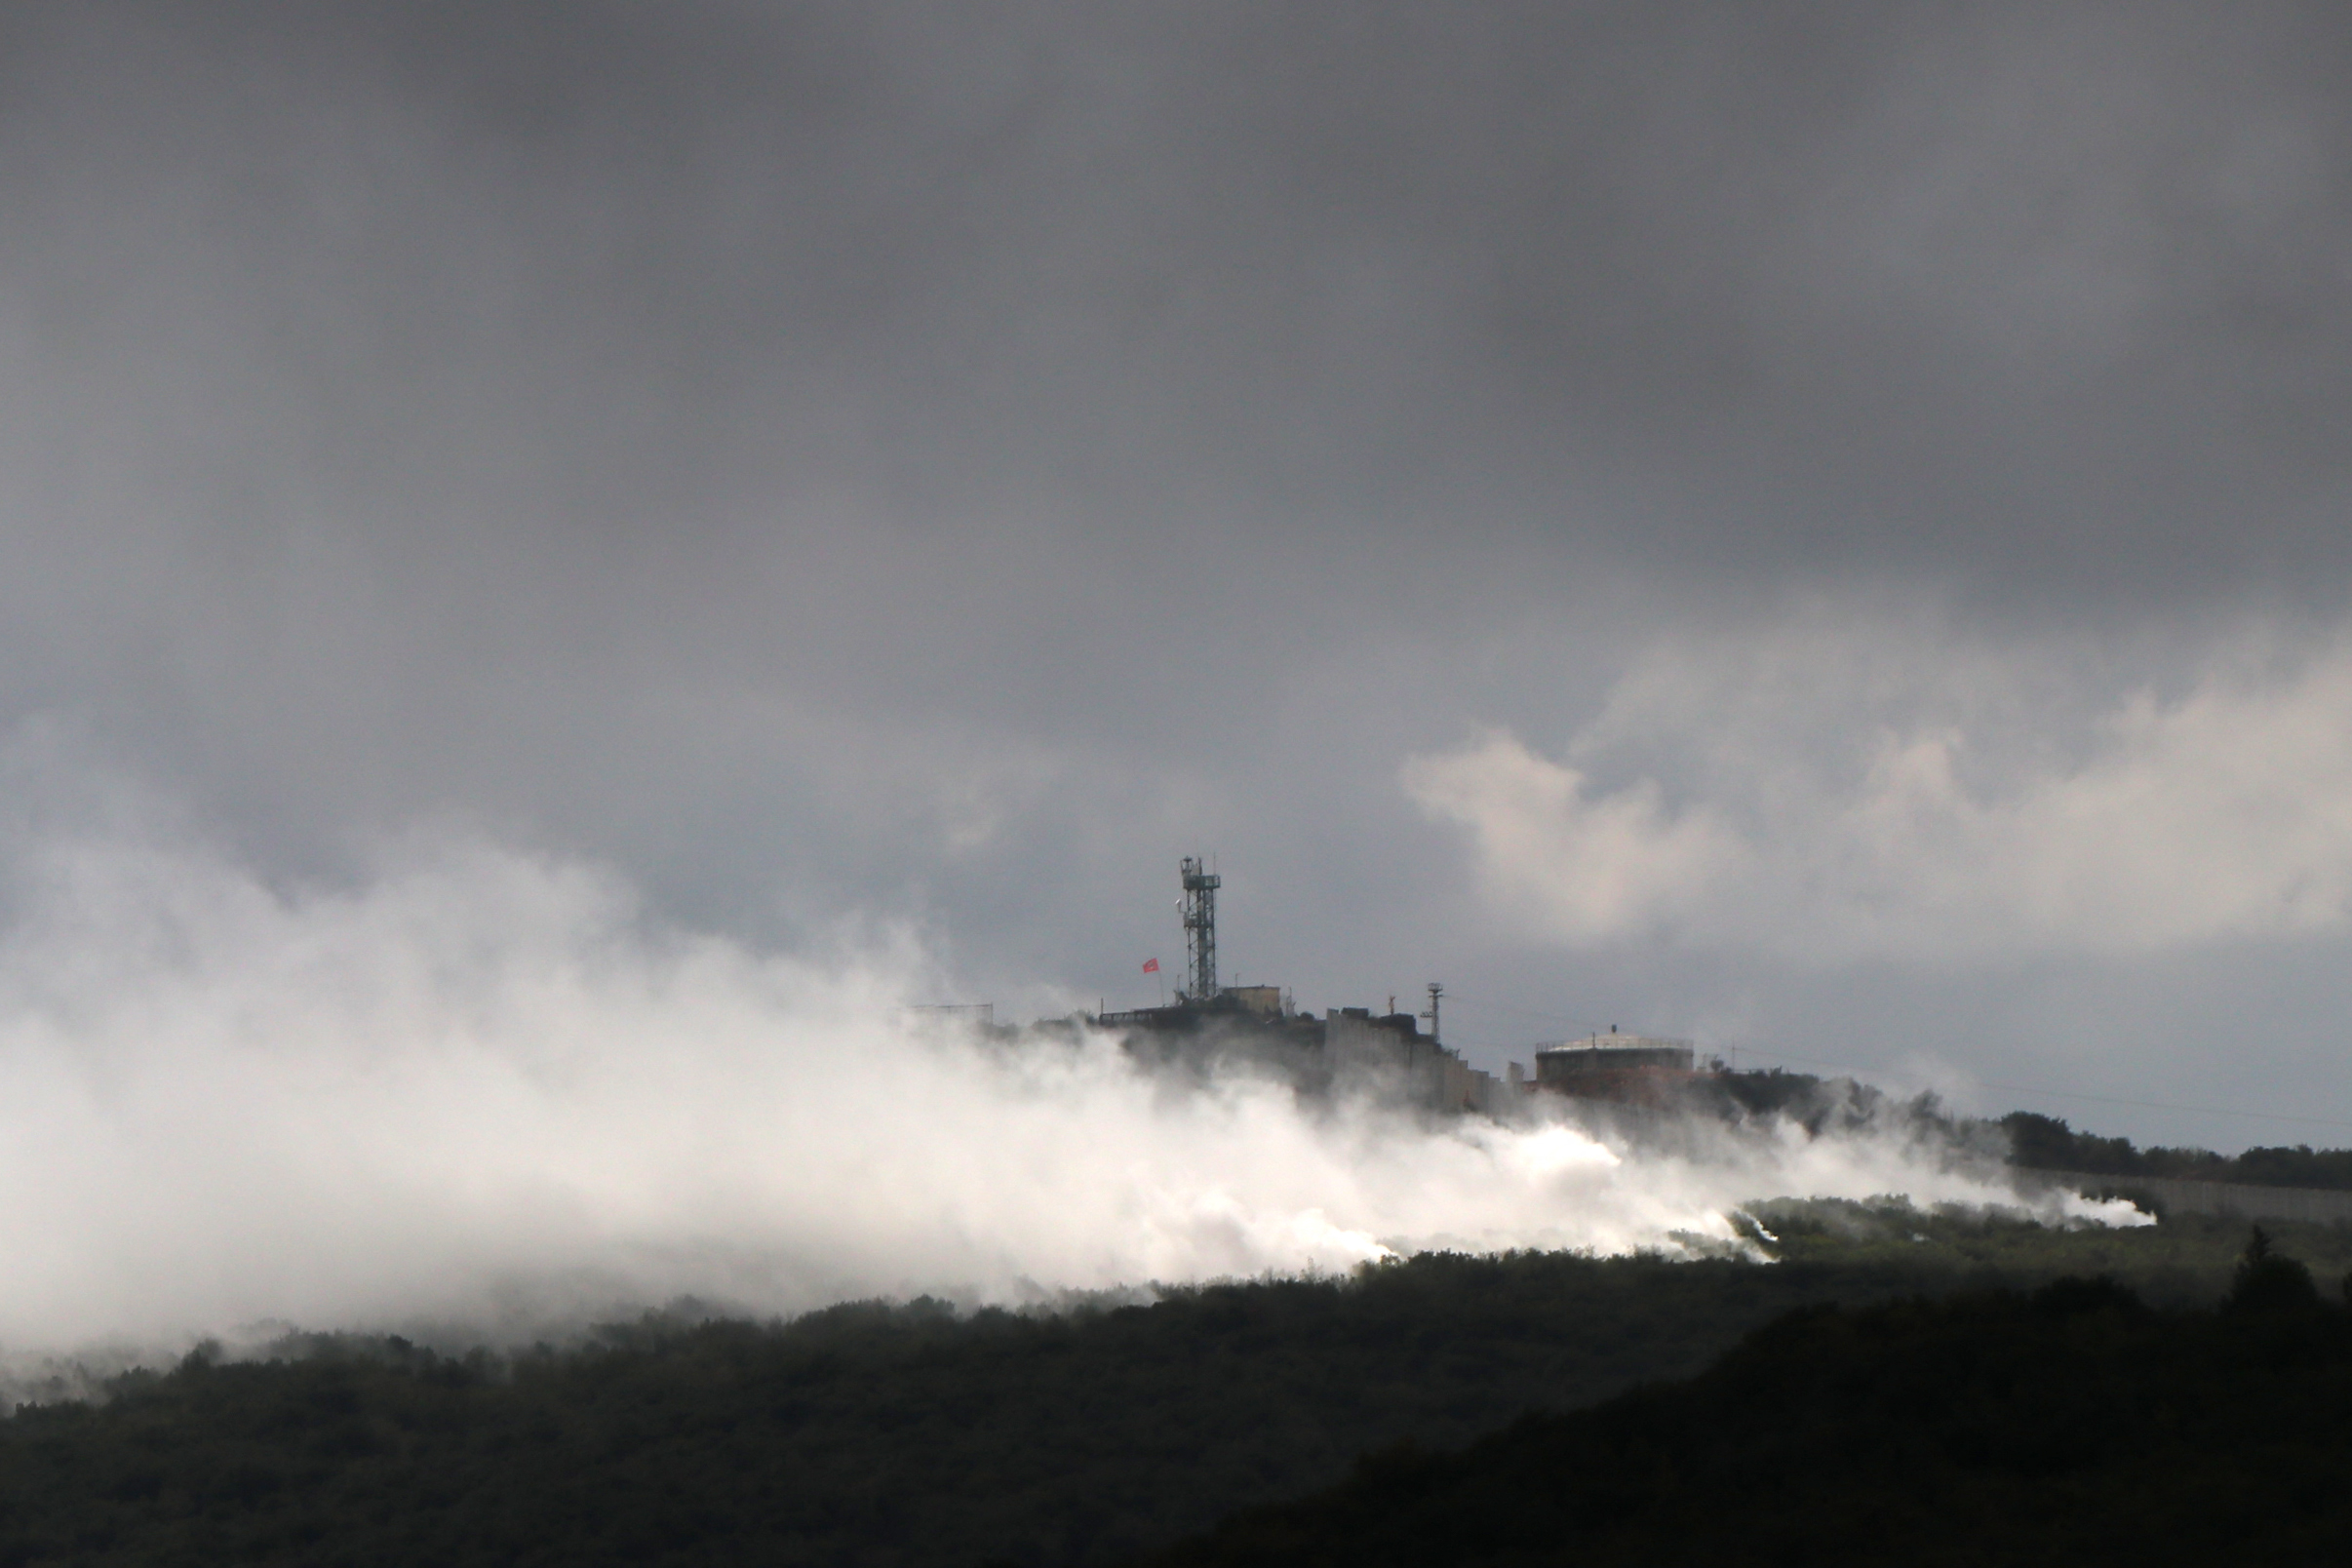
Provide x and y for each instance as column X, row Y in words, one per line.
column 850, row 463
column 488, row 1091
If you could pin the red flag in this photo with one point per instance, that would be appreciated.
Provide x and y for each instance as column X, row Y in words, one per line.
column 1150, row 966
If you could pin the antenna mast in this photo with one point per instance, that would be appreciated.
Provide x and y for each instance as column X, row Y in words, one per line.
column 1436, row 991
column 1199, row 908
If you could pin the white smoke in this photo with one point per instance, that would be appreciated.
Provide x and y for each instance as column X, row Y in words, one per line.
column 484, row 1088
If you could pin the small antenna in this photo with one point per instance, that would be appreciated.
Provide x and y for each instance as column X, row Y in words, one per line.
column 1436, row 991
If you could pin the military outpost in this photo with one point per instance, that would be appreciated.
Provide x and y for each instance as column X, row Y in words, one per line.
column 1208, row 1021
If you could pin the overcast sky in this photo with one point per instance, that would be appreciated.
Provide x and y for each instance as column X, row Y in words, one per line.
column 1820, row 527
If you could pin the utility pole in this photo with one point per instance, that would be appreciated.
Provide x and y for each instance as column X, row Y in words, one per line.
column 1199, row 907
column 1436, row 991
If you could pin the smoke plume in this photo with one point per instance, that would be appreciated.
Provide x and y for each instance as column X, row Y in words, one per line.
column 484, row 1088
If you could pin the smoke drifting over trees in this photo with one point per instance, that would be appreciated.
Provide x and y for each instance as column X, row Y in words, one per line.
column 490, row 1092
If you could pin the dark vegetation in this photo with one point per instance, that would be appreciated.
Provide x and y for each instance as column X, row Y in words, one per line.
column 2031, row 1140
column 2074, row 1424
column 2046, row 1143
column 914, row 1434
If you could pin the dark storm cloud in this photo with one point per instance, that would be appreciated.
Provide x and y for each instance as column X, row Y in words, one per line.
column 1985, row 291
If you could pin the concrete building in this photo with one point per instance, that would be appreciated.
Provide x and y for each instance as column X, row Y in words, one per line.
column 1347, row 1047
column 1359, row 1041
column 1267, row 1001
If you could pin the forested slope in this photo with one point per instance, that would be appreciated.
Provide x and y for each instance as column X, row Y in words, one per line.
column 912, row 1435
column 2073, row 1425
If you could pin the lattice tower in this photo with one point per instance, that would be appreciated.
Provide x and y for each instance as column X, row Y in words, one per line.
column 1199, row 909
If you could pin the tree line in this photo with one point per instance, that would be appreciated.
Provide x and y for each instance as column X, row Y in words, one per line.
column 2026, row 1137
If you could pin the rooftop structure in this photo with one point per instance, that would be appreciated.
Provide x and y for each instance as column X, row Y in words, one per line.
column 1644, row 1069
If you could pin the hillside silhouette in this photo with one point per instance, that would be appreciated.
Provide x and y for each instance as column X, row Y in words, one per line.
column 917, row 1434
column 2072, row 1423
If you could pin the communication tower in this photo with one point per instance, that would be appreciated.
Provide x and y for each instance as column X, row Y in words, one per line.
column 1199, row 909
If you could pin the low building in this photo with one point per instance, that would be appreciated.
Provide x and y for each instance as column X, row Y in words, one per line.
column 1348, row 1045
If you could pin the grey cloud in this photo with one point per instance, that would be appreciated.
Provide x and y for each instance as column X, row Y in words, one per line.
column 1982, row 291
column 851, row 456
